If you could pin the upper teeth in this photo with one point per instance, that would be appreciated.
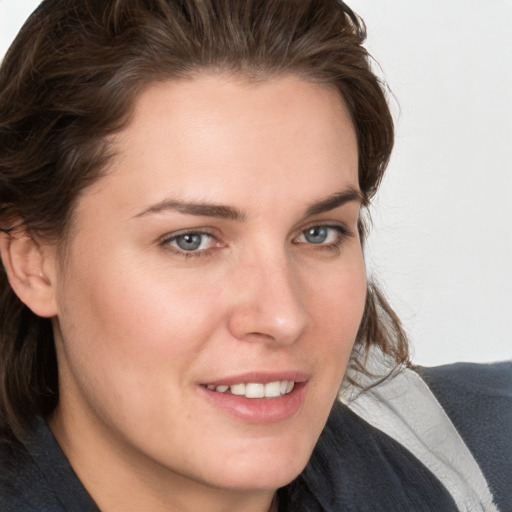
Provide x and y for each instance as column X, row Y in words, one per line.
column 256, row 389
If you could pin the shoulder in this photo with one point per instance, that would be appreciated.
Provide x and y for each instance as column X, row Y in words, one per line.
column 478, row 400
column 479, row 379
column 35, row 476
column 475, row 396
column 22, row 486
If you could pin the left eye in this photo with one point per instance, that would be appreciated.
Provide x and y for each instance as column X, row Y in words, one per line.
column 190, row 242
column 320, row 235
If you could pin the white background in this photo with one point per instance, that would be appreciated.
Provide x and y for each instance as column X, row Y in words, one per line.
column 442, row 240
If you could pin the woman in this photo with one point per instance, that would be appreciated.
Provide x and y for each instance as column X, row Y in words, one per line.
column 183, row 186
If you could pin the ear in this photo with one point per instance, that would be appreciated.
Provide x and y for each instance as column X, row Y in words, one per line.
column 29, row 266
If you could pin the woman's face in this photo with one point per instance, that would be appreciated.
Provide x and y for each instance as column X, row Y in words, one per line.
column 217, row 261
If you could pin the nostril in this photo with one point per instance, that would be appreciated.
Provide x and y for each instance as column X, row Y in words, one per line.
column 259, row 335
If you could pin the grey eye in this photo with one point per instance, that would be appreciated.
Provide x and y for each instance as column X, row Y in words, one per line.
column 189, row 242
column 316, row 235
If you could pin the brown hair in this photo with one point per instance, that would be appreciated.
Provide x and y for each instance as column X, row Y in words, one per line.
column 70, row 79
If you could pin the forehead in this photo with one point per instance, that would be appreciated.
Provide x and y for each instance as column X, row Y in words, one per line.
column 203, row 137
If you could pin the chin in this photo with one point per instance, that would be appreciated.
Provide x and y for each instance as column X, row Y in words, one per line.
column 267, row 468
column 260, row 480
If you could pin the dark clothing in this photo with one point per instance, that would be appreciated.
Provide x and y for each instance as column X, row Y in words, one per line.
column 37, row 477
column 478, row 400
column 355, row 466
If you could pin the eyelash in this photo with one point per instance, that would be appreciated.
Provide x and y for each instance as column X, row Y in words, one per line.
column 342, row 233
column 168, row 239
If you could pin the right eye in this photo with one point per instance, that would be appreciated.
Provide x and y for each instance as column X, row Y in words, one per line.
column 191, row 243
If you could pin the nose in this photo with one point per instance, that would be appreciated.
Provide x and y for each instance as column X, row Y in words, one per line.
column 269, row 302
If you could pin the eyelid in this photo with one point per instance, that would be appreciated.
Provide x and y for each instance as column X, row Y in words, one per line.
column 342, row 234
column 165, row 241
column 341, row 227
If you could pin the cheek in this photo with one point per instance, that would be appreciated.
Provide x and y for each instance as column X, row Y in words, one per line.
column 338, row 300
column 337, row 308
column 133, row 304
column 133, row 332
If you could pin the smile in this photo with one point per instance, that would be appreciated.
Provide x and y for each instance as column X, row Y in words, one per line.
column 256, row 389
column 259, row 397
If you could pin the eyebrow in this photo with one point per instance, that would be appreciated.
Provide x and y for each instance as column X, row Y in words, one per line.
column 228, row 212
column 200, row 209
column 334, row 201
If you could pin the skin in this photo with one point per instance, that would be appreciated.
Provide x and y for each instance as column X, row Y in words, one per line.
column 140, row 324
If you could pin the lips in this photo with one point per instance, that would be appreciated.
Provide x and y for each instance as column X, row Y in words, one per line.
column 259, row 398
